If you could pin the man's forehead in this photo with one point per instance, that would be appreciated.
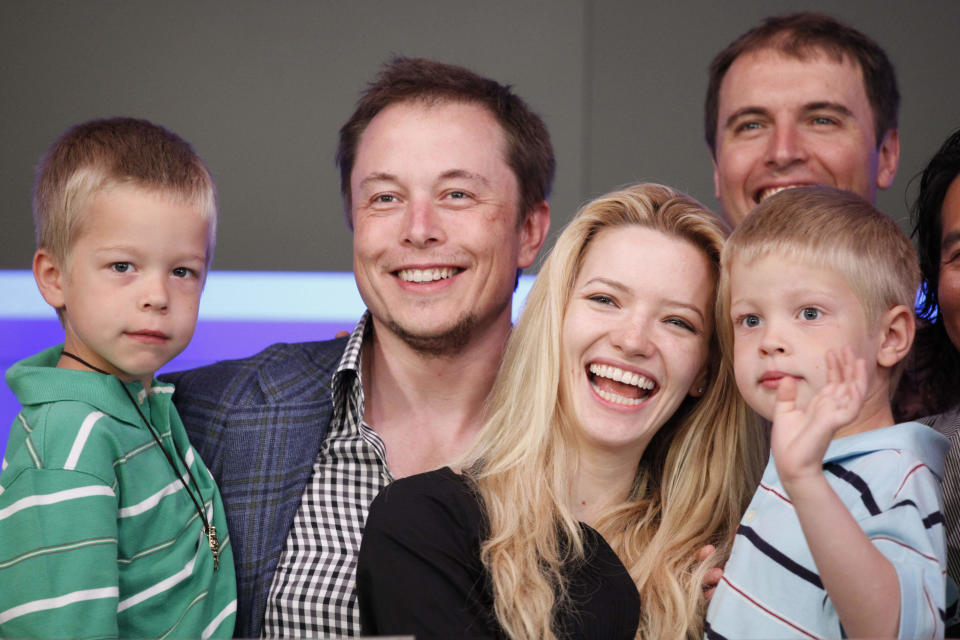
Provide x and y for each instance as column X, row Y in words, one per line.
column 812, row 56
column 457, row 130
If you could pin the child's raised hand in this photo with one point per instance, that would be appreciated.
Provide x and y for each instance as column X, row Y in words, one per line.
column 800, row 436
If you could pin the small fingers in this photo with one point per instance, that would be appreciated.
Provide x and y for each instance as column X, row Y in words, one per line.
column 705, row 552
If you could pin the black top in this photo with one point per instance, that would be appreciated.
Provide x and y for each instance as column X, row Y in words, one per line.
column 419, row 569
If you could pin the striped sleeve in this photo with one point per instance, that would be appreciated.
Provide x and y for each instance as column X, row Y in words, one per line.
column 910, row 534
column 58, row 556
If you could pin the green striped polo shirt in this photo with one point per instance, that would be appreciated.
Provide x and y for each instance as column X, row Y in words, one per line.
column 98, row 537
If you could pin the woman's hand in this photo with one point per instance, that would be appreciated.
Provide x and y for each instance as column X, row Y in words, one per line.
column 712, row 577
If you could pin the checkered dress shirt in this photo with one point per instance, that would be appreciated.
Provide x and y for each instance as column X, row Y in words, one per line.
column 314, row 588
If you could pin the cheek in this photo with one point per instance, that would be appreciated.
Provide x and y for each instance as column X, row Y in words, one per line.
column 948, row 293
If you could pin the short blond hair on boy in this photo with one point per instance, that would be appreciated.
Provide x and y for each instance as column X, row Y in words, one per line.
column 832, row 228
column 100, row 154
column 829, row 228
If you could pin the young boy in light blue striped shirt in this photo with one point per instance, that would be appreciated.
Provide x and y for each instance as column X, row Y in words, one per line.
column 844, row 537
column 110, row 525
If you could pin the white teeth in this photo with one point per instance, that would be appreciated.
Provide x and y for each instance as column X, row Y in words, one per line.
column 612, row 397
column 619, row 375
column 427, row 275
column 766, row 193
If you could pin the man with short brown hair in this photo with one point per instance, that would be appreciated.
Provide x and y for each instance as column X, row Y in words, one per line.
column 800, row 99
column 445, row 176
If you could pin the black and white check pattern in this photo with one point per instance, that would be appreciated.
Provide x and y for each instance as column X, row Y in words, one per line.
column 314, row 588
column 948, row 424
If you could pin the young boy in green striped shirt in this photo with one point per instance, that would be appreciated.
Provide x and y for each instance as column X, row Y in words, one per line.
column 110, row 524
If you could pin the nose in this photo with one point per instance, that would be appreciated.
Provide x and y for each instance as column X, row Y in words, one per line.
column 632, row 337
column 154, row 295
column 422, row 225
column 784, row 147
column 773, row 342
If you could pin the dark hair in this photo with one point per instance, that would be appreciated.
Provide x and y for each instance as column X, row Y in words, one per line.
column 936, row 360
column 802, row 35
column 529, row 152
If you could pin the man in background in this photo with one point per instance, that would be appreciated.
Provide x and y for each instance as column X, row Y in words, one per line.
column 800, row 99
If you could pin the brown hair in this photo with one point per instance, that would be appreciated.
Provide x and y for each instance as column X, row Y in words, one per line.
column 99, row 154
column 529, row 151
column 802, row 36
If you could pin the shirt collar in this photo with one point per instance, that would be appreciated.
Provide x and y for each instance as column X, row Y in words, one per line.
column 37, row 380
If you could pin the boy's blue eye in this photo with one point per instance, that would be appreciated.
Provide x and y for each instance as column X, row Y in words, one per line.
column 181, row 272
column 810, row 313
column 120, row 267
column 751, row 321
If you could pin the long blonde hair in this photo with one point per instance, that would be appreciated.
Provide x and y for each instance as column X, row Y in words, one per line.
column 691, row 486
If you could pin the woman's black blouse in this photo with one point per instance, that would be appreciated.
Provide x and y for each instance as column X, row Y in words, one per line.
column 419, row 570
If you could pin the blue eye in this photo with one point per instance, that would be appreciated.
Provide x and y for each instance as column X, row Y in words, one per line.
column 182, row 272
column 120, row 267
column 810, row 313
column 750, row 321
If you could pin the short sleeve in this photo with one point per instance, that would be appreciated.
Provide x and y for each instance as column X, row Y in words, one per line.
column 910, row 533
column 58, row 546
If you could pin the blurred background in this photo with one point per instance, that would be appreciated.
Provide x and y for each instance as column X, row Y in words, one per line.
column 261, row 90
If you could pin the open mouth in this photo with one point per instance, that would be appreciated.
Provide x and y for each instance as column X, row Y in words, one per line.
column 618, row 386
column 427, row 275
column 763, row 194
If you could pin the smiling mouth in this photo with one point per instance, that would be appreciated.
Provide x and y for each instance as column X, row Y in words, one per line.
column 763, row 194
column 619, row 386
column 427, row 275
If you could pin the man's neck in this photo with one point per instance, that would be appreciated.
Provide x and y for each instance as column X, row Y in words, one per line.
column 426, row 407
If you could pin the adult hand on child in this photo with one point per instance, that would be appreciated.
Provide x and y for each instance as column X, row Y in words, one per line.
column 800, row 435
column 712, row 577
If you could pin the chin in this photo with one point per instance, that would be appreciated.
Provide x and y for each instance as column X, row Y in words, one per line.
column 448, row 341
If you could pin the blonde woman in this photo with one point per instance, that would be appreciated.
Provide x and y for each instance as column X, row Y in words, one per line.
column 616, row 447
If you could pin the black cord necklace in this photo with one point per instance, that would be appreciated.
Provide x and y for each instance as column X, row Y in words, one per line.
column 208, row 529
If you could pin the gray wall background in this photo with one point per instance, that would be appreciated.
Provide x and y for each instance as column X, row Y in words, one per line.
column 261, row 89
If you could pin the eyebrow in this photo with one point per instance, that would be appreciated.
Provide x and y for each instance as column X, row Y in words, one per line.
column 619, row 286
column 744, row 111
column 823, row 105
column 452, row 174
column 463, row 174
column 377, row 177
column 949, row 239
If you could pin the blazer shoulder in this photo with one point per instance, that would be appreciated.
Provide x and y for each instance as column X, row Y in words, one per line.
column 281, row 372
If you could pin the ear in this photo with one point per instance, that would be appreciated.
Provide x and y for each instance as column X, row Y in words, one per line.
column 888, row 158
column 533, row 233
column 699, row 386
column 895, row 332
column 49, row 276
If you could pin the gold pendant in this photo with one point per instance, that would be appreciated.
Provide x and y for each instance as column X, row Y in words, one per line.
column 211, row 532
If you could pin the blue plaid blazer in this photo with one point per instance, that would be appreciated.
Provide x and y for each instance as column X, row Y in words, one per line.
column 258, row 424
